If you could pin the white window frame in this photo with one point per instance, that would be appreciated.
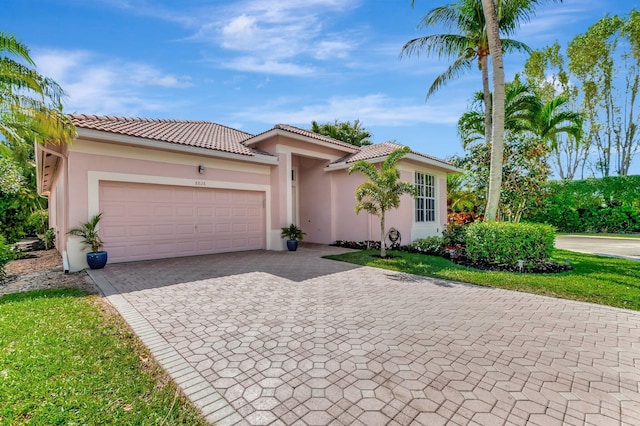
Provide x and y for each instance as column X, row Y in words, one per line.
column 425, row 210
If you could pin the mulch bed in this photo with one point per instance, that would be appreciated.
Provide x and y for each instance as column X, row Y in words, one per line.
column 542, row 268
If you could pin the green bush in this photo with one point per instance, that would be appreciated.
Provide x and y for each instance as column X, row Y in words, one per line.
column 455, row 234
column 38, row 222
column 505, row 242
column 7, row 254
column 609, row 204
column 430, row 245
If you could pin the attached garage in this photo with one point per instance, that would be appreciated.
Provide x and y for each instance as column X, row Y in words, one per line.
column 147, row 221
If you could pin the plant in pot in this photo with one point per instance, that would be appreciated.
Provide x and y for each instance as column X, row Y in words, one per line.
column 293, row 234
column 89, row 232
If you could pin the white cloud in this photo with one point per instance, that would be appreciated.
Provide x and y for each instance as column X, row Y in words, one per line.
column 245, row 63
column 101, row 85
column 267, row 32
column 376, row 109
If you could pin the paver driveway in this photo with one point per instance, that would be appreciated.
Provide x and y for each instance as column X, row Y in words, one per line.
column 289, row 338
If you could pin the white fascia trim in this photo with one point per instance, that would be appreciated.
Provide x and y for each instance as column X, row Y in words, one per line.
column 94, row 178
column 150, row 143
column 447, row 167
column 292, row 135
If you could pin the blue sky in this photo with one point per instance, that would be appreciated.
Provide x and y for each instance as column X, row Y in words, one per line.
column 251, row 64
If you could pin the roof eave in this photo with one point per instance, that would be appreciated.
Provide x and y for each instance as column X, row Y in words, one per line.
column 280, row 132
column 448, row 168
column 117, row 138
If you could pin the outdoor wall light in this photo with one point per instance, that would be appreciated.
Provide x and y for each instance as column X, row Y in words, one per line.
column 201, row 169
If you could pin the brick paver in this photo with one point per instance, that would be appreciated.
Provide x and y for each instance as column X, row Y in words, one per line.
column 289, row 338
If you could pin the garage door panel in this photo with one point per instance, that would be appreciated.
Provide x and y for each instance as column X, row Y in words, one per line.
column 223, row 245
column 144, row 221
column 139, row 230
column 166, row 211
column 205, row 229
column 168, row 229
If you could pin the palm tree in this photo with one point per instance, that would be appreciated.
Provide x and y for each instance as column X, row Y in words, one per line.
column 494, row 17
column 383, row 190
column 525, row 111
column 467, row 42
column 30, row 104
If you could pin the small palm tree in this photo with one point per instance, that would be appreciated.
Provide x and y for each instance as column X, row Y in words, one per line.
column 525, row 111
column 383, row 190
column 89, row 232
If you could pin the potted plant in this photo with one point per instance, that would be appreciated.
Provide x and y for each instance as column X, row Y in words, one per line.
column 293, row 234
column 89, row 232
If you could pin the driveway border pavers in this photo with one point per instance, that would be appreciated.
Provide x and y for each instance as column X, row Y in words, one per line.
column 194, row 385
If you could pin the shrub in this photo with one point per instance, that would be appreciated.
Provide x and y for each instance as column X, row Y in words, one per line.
column 49, row 238
column 455, row 234
column 7, row 254
column 505, row 243
column 38, row 222
column 609, row 204
column 430, row 245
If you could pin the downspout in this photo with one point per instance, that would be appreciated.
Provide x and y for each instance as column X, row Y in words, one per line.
column 65, row 214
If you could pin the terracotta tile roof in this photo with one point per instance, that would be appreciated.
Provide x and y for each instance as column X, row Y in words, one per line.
column 201, row 134
column 306, row 133
column 381, row 150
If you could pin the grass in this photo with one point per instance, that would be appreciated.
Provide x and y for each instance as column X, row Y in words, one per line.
column 596, row 279
column 66, row 358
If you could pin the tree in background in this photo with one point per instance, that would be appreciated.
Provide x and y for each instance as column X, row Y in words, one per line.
column 345, row 131
column 383, row 190
column 531, row 127
column 30, row 111
column 546, row 75
column 607, row 54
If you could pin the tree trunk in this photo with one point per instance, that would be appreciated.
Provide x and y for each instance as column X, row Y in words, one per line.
column 497, row 133
column 486, row 93
column 383, row 252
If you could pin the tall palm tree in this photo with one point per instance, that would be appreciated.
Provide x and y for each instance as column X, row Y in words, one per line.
column 383, row 190
column 494, row 15
column 467, row 41
column 30, row 104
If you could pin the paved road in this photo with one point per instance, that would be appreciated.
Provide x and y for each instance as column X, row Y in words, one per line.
column 288, row 338
column 628, row 248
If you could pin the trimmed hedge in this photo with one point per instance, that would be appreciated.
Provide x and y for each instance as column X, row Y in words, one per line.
column 609, row 204
column 505, row 243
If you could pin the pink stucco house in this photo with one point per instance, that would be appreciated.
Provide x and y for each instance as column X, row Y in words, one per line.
column 172, row 188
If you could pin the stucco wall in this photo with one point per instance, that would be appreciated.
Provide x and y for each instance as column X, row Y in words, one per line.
column 91, row 162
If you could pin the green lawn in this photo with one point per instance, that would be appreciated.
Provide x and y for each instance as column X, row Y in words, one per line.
column 65, row 359
column 597, row 279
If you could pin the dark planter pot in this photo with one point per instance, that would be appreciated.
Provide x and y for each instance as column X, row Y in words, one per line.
column 97, row 260
column 292, row 245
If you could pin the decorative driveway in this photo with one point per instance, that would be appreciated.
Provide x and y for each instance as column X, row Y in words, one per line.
column 289, row 338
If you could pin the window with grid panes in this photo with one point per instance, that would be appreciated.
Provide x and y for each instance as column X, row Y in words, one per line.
column 425, row 198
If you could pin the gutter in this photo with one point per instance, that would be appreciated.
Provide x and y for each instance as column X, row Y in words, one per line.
column 65, row 215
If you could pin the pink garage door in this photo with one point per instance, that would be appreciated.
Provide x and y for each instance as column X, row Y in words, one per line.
column 143, row 221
